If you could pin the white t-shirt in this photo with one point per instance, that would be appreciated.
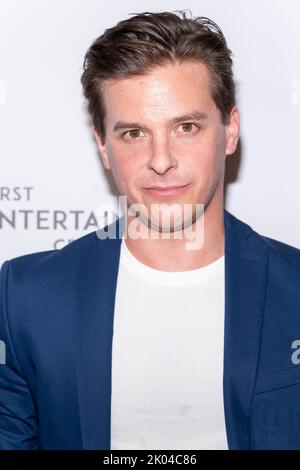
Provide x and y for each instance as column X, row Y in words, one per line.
column 167, row 357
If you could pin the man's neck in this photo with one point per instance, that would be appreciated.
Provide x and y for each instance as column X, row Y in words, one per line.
column 172, row 254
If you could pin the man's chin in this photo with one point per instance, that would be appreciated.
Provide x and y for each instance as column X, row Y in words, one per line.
column 168, row 219
column 168, row 225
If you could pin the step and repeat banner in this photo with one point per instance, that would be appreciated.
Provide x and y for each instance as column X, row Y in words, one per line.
column 53, row 187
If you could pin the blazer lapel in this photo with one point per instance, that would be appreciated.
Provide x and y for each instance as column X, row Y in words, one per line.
column 97, row 280
column 246, row 266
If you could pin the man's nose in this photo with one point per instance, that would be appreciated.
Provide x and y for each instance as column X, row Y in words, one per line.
column 162, row 157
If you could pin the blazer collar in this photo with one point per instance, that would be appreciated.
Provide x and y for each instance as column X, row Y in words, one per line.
column 246, row 262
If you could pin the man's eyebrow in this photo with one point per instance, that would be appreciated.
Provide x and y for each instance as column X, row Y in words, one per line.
column 195, row 116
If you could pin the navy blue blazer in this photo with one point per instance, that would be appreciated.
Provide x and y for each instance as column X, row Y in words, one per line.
column 56, row 322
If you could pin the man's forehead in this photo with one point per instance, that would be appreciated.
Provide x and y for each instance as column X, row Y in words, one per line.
column 126, row 101
column 172, row 99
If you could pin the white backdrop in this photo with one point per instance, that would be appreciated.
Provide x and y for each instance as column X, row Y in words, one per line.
column 49, row 162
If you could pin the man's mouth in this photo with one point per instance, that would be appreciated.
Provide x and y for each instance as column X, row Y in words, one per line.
column 166, row 191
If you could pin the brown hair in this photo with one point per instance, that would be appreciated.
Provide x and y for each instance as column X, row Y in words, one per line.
column 137, row 45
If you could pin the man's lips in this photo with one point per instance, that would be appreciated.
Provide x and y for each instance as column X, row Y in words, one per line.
column 166, row 191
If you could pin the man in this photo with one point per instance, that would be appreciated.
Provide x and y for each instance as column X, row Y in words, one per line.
column 136, row 336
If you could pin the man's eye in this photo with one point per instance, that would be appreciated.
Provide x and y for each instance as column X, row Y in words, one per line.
column 133, row 133
column 188, row 127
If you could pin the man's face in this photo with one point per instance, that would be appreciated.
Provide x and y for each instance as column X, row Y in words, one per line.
column 163, row 129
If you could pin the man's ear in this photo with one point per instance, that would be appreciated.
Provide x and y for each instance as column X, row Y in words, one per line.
column 232, row 131
column 102, row 149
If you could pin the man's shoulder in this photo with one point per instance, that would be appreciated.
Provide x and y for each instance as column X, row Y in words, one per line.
column 282, row 248
column 57, row 258
column 277, row 247
column 60, row 265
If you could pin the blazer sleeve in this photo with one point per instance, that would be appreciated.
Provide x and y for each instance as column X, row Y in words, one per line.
column 18, row 417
